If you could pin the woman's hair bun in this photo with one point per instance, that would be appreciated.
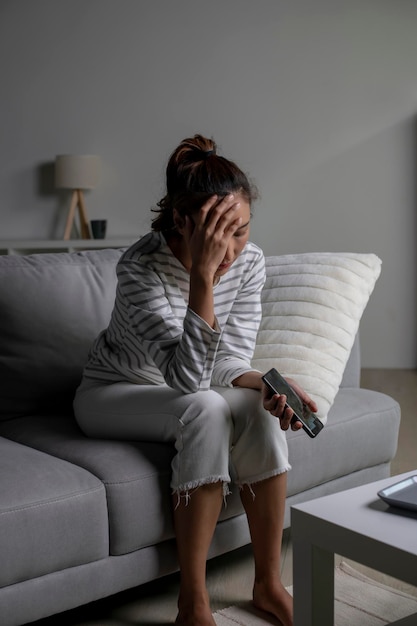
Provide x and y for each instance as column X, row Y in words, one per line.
column 197, row 148
column 206, row 153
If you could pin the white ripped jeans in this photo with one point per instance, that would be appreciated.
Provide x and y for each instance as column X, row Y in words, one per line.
column 220, row 435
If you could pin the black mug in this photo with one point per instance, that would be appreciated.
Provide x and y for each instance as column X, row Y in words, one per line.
column 98, row 228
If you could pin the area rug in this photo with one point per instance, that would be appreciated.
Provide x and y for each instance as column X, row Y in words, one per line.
column 360, row 601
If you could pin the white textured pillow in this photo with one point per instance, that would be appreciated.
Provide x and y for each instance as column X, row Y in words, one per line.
column 311, row 307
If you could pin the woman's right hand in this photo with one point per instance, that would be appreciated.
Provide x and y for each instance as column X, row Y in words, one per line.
column 209, row 232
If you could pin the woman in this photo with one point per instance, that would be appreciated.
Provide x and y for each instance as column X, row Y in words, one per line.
column 174, row 366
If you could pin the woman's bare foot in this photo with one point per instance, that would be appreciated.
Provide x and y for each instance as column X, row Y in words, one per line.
column 274, row 598
column 194, row 619
column 194, row 612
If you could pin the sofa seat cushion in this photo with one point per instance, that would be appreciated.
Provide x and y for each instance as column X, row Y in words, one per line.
column 53, row 515
column 361, row 432
column 136, row 476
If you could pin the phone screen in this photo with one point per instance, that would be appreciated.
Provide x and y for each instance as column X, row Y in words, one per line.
column 311, row 423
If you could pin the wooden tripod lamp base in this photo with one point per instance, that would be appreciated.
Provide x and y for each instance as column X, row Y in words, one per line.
column 77, row 172
column 77, row 199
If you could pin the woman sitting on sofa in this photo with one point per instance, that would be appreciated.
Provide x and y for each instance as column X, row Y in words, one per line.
column 174, row 365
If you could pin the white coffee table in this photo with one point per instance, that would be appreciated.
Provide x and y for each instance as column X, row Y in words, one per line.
column 356, row 524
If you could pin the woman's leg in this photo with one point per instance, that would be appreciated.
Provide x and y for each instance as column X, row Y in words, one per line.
column 264, row 503
column 260, row 462
column 200, row 426
column 195, row 519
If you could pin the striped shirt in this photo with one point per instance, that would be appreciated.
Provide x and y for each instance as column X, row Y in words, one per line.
column 154, row 337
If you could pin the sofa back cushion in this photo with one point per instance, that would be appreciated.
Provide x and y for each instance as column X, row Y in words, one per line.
column 52, row 306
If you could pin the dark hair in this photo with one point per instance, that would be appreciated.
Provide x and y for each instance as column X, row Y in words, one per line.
column 194, row 173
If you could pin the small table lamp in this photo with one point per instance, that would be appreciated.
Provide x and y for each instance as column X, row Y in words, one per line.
column 77, row 172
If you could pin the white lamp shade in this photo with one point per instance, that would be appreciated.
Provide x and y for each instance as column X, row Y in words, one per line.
column 76, row 171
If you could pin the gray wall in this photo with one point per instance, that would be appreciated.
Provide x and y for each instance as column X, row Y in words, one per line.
column 316, row 99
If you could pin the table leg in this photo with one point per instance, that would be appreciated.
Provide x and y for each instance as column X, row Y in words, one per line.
column 313, row 584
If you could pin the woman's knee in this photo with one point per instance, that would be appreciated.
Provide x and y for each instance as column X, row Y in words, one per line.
column 204, row 404
column 207, row 416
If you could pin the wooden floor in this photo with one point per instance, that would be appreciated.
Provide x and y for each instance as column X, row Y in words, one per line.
column 230, row 576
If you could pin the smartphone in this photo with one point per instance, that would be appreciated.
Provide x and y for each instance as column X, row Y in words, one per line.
column 277, row 384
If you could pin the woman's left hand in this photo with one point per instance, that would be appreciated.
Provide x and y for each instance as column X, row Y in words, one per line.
column 275, row 404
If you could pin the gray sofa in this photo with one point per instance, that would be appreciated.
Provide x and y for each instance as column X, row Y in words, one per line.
column 81, row 519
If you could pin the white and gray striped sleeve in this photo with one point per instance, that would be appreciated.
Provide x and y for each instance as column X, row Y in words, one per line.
column 238, row 339
column 184, row 350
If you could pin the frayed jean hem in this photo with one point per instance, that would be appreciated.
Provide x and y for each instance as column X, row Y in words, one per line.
column 258, row 479
column 184, row 492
